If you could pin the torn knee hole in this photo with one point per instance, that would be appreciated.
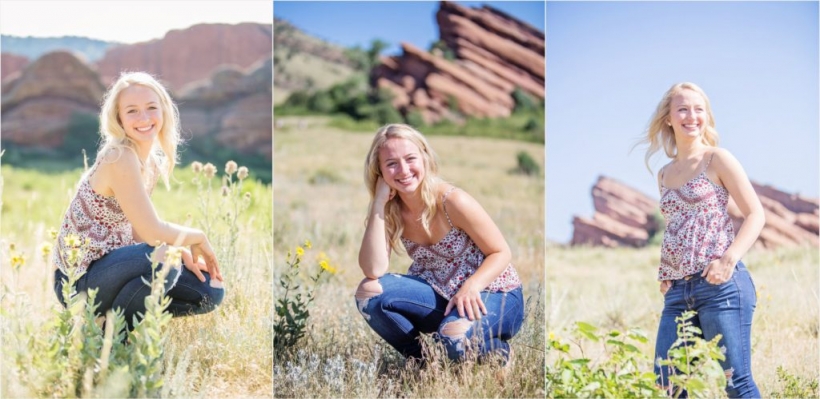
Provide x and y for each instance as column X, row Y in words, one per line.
column 368, row 288
column 456, row 329
column 729, row 373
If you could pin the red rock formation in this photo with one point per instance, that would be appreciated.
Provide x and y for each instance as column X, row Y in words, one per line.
column 625, row 217
column 233, row 105
column 494, row 53
column 188, row 55
column 11, row 65
column 39, row 104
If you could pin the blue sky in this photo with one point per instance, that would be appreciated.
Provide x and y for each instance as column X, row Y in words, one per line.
column 609, row 63
column 351, row 23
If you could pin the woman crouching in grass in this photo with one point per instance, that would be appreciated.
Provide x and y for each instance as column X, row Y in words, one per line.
column 461, row 286
column 112, row 217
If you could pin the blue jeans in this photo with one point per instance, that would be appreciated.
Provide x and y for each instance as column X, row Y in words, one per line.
column 118, row 277
column 407, row 306
column 724, row 309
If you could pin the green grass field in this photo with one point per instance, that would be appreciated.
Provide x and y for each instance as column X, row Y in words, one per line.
column 226, row 353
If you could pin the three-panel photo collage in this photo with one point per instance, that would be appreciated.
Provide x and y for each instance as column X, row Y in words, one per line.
column 418, row 199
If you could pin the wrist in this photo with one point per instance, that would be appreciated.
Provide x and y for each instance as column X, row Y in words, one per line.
column 729, row 258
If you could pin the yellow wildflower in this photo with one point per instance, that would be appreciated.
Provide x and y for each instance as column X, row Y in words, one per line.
column 327, row 267
column 300, row 252
column 71, row 241
column 308, row 244
column 17, row 261
column 552, row 336
column 45, row 250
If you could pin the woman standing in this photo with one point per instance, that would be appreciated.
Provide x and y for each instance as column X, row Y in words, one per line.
column 700, row 266
column 461, row 286
column 112, row 216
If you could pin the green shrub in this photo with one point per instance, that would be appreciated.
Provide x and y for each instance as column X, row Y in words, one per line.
column 527, row 165
column 414, row 119
column 523, row 101
column 624, row 371
column 795, row 386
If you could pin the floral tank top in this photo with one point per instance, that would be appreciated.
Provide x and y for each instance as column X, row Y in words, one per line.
column 447, row 264
column 698, row 226
column 97, row 221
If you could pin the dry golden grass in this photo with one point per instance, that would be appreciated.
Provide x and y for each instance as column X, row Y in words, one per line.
column 320, row 195
column 227, row 353
column 616, row 289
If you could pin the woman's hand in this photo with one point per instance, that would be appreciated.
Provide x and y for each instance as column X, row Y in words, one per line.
column 467, row 301
column 720, row 270
column 383, row 192
column 195, row 267
column 665, row 286
column 204, row 250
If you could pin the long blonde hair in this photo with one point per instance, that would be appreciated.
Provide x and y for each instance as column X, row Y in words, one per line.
column 393, row 222
column 163, row 156
column 660, row 134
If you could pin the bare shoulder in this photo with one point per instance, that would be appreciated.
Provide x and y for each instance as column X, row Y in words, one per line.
column 722, row 159
column 117, row 163
column 460, row 202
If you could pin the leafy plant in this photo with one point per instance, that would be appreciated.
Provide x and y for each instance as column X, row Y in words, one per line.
column 619, row 370
column 292, row 313
column 795, row 386
column 618, row 375
column 693, row 361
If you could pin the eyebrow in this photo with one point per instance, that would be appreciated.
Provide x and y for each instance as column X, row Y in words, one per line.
column 134, row 105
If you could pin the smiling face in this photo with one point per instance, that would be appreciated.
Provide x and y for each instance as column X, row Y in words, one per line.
column 688, row 114
column 140, row 115
column 402, row 165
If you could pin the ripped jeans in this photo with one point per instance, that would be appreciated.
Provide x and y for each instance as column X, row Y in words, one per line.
column 400, row 307
column 724, row 309
column 118, row 276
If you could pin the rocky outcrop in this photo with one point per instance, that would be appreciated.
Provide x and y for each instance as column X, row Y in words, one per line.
column 39, row 104
column 230, row 102
column 234, row 106
column 11, row 65
column 625, row 217
column 192, row 54
column 493, row 53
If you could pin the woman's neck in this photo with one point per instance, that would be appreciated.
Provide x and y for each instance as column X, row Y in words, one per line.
column 412, row 202
column 688, row 148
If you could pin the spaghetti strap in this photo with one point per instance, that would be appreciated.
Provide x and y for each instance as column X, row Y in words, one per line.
column 708, row 161
column 444, row 205
column 663, row 169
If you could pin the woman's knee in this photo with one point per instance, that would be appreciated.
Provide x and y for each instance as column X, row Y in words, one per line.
column 455, row 338
column 368, row 288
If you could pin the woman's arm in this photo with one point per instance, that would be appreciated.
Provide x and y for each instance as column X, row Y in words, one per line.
column 122, row 176
column 374, row 254
column 732, row 176
column 467, row 214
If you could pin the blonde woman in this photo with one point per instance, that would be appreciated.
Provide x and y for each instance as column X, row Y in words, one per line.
column 112, row 216
column 461, row 286
column 700, row 267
